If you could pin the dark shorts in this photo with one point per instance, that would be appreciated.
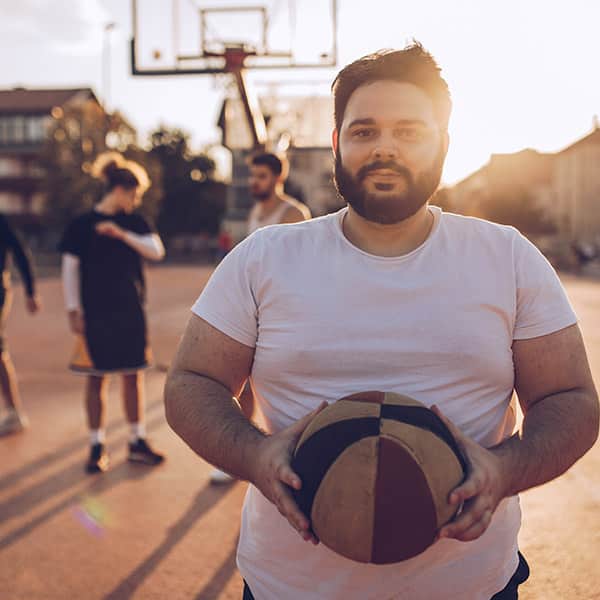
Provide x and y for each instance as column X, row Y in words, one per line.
column 116, row 341
column 510, row 592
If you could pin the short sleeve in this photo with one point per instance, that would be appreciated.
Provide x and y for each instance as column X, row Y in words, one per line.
column 542, row 303
column 228, row 299
column 138, row 224
column 72, row 241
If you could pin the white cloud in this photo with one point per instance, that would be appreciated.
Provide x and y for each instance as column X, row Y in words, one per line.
column 61, row 25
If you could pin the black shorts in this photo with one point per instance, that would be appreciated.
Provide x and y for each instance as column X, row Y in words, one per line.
column 510, row 592
column 116, row 342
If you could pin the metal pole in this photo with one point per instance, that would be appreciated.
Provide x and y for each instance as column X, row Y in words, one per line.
column 108, row 27
column 254, row 116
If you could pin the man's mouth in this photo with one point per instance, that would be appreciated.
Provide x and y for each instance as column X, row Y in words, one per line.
column 384, row 174
column 381, row 186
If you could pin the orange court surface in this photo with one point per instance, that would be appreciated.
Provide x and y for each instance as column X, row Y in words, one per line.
column 166, row 533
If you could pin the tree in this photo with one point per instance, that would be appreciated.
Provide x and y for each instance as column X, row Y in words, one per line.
column 193, row 200
column 74, row 140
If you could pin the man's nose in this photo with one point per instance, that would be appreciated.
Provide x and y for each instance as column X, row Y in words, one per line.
column 386, row 149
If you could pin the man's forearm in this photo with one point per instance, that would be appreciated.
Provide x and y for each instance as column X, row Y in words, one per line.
column 555, row 433
column 208, row 418
column 149, row 246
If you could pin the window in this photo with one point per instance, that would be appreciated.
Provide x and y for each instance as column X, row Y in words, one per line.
column 34, row 129
column 18, row 132
column 3, row 131
column 9, row 167
column 12, row 130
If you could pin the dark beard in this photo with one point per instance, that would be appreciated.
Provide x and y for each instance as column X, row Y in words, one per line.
column 261, row 197
column 388, row 209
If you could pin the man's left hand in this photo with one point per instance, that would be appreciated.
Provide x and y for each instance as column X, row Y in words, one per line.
column 480, row 493
column 110, row 229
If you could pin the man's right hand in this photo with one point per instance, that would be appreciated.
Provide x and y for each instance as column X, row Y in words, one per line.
column 76, row 322
column 273, row 473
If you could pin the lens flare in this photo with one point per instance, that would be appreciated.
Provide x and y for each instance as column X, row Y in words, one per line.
column 93, row 515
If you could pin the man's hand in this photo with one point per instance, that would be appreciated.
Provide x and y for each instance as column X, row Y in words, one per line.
column 110, row 229
column 33, row 303
column 76, row 322
column 273, row 473
column 480, row 493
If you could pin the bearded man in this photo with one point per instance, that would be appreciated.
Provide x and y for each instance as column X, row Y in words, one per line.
column 387, row 294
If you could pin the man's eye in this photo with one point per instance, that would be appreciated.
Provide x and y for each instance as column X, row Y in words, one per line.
column 363, row 133
column 410, row 134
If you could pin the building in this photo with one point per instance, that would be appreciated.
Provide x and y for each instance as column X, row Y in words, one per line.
column 298, row 126
column 564, row 187
column 526, row 173
column 27, row 117
column 577, row 185
column 553, row 198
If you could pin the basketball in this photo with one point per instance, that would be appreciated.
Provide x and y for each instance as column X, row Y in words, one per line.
column 377, row 469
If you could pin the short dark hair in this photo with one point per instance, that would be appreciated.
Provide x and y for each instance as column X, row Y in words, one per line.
column 413, row 64
column 115, row 170
column 268, row 159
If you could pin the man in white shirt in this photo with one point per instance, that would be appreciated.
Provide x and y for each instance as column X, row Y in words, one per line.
column 388, row 294
column 268, row 173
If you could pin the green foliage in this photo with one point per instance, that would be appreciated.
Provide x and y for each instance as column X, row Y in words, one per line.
column 183, row 198
column 153, row 197
column 193, row 201
column 75, row 138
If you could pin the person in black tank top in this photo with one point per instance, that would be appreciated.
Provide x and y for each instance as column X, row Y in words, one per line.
column 104, row 288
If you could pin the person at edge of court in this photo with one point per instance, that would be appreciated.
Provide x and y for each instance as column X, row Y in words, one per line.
column 15, row 419
column 268, row 173
column 104, row 291
column 387, row 294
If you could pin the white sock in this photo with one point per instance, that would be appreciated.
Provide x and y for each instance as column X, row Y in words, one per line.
column 138, row 430
column 97, row 436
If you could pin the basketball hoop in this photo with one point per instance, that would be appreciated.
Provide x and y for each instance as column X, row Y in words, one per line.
column 235, row 57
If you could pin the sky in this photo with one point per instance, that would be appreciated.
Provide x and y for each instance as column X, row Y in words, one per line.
column 522, row 73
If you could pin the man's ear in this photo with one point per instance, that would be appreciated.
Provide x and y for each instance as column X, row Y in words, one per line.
column 334, row 140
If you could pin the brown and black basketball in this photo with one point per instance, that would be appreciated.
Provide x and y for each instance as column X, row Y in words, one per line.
column 377, row 469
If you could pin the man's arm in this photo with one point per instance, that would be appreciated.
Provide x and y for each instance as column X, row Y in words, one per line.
column 561, row 414
column 148, row 245
column 70, row 282
column 295, row 213
column 24, row 264
column 207, row 374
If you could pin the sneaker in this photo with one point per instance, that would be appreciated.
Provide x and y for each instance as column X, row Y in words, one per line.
column 98, row 460
column 140, row 451
column 13, row 422
column 217, row 476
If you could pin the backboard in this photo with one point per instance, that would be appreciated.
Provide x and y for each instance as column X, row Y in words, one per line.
column 172, row 37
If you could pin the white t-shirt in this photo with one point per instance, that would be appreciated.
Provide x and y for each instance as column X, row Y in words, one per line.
column 328, row 320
